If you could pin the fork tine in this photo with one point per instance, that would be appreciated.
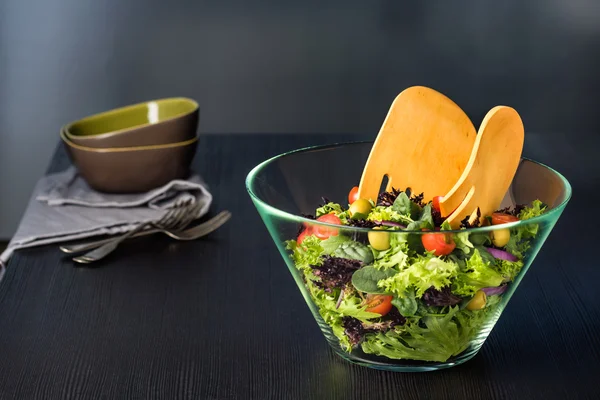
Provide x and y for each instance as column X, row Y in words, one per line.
column 173, row 214
column 190, row 214
column 173, row 218
column 177, row 218
column 166, row 218
column 168, row 215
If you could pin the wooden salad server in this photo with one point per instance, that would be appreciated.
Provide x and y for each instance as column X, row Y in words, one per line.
column 490, row 170
column 424, row 143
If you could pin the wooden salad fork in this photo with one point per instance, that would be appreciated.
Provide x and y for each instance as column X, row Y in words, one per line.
column 491, row 168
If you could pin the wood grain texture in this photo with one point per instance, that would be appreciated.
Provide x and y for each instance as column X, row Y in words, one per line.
column 424, row 143
column 221, row 318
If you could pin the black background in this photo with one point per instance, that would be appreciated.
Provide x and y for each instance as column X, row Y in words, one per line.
column 299, row 66
column 284, row 66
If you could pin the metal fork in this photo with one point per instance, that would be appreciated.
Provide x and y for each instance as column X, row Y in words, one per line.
column 175, row 219
column 193, row 233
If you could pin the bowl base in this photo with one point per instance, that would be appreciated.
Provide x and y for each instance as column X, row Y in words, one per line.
column 385, row 364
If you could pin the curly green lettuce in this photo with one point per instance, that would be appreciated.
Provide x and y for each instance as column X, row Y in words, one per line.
column 350, row 306
column 381, row 213
column 509, row 269
column 536, row 209
column 334, row 208
column 432, row 338
column 394, row 257
column 519, row 242
column 329, row 208
column 306, row 254
column 474, row 275
column 422, row 273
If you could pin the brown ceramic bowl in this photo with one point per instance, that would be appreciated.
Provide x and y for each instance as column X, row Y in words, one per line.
column 131, row 169
column 155, row 122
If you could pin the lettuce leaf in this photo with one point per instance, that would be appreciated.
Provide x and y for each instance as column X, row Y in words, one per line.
column 407, row 304
column 426, row 217
column 350, row 306
column 306, row 254
column 509, row 269
column 476, row 274
column 366, row 279
column 480, row 239
column 423, row 273
column 445, row 226
column 381, row 213
column 331, row 244
column 328, row 208
column 405, row 206
column 462, row 242
column 434, row 339
column 394, row 257
column 354, row 251
column 334, row 208
column 424, row 220
column 529, row 231
column 324, row 302
column 536, row 209
column 519, row 242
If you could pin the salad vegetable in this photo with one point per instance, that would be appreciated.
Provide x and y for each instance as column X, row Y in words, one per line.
column 406, row 295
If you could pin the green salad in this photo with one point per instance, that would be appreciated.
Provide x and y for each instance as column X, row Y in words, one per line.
column 404, row 295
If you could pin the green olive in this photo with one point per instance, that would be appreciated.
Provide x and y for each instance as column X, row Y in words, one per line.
column 478, row 301
column 500, row 237
column 379, row 240
column 360, row 209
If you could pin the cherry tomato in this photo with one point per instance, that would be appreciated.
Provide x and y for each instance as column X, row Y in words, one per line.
column 440, row 244
column 303, row 235
column 379, row 303
column 324, row 232
column 501, row 218
column 353, row 195
column 436, row 202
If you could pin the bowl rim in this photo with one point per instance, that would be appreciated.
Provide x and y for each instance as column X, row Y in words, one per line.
column 300, row 219
column 105, row 135
column 125, row 149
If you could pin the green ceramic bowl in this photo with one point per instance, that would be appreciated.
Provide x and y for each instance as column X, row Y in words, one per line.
column 155, row 122
column 131, row 169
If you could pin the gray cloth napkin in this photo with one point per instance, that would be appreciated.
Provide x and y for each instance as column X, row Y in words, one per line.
column 63, row 207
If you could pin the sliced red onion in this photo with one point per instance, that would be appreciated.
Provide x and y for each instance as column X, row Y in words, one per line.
column 491, row 291
column 501, row 254
column 392, row 223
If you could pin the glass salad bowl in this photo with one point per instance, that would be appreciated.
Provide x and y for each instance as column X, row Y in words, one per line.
column 391, row 285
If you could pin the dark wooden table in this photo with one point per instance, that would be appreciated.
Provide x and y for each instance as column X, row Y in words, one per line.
column 221, row 318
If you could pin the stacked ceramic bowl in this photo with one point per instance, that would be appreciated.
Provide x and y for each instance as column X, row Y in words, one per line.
column 135, row 148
